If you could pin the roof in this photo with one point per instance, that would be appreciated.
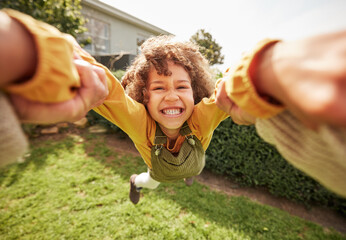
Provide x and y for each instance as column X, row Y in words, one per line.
column 116, row 13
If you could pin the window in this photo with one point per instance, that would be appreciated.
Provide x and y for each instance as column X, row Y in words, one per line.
column 98, row 31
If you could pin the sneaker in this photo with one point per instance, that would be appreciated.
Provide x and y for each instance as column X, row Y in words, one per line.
column 188, row 181
column 134, row 191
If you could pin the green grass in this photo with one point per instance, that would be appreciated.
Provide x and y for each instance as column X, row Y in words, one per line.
column 78, row 189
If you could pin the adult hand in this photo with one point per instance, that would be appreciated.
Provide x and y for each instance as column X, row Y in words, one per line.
column 308, row 77
column 92, row 92
column 238, row 115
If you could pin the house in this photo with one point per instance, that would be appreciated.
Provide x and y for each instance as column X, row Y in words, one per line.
column 116, row 35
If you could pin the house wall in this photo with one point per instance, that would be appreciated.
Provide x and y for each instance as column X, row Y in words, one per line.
column 123, row 35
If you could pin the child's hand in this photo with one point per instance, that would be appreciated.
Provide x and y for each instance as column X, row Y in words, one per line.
column 92, row 93
column 227, row 105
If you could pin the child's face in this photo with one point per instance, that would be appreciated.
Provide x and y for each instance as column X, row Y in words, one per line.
column 171, row 100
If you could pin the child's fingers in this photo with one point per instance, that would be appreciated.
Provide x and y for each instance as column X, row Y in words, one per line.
column 102, row 76
column 222, row 100
column 89, row 72
column 76, row 55
column 102, row 84
column 94, row 87
column 227, row 105
column 84, row 70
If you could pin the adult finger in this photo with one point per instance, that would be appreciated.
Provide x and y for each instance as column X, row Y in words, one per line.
column 43, row 113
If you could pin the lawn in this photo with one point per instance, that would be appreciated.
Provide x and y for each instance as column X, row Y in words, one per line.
column 77, row 188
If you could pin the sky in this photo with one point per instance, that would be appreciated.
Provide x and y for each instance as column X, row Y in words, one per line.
column 237, row 25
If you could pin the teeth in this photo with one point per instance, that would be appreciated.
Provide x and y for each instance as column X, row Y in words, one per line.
column 171, row 111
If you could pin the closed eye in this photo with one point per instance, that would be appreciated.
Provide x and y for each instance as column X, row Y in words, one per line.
column 183, row 87
column 158, row 88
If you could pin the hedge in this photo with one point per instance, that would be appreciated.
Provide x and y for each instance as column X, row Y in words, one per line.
column 240, row 154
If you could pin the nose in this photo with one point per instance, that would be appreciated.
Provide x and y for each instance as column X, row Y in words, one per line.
column 171, row 96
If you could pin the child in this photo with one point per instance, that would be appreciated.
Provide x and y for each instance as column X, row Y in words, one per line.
column 164, row 108
column 165, row 111
column 170, row 79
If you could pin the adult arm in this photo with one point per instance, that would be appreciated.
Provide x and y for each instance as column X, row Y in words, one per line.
column 18, row 57
column 308, row 77
column 39, row 74
column 90, row 94
column 54, row 76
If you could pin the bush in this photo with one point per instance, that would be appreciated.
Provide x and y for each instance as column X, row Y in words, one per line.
column 239, row 153
column 63, row 14
column 94, row 118
column 119, row 74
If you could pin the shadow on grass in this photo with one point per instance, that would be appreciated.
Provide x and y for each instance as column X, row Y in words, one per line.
column 35, row 160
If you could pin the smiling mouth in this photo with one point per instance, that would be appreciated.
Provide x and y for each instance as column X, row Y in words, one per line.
column 174, row 111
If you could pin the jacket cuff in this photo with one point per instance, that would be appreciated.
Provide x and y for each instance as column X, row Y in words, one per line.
column 241, row 90
column 55, row 74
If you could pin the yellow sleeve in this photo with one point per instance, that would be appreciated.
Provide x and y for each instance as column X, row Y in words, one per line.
column 240, row 88
column 205, row 118
column 55, row 75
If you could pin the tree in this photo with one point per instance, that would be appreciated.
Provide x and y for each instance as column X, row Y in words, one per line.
column 63, row 14
column 208, row 47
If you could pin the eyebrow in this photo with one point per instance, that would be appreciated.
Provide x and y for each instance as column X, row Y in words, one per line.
column 160, row 81
column 156, row 81
column 184, row 80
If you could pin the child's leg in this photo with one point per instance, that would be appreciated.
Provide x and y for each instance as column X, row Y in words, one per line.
column 137, row 182
column 144, row 180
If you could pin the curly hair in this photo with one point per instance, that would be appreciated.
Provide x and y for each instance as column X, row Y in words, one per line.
column 156, row 52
